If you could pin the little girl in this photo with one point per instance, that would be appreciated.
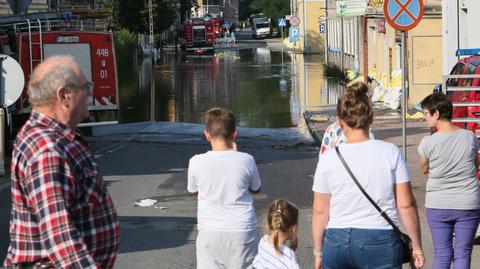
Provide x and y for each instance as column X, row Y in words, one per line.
column 282, row 227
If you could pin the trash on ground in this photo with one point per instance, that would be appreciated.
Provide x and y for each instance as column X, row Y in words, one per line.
column 160, row 207
column 146, row 202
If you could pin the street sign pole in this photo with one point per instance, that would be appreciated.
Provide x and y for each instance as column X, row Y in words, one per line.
column 403, row 16
column 404, row 94
column 282, row 49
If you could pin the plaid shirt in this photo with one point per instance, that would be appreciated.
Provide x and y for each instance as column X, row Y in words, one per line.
column 62, row 215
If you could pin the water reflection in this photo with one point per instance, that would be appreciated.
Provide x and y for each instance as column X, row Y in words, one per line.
column 263, row 88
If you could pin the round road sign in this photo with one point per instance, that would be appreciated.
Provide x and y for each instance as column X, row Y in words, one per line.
column 294, row 21
column 13, row 80
column 403, row 15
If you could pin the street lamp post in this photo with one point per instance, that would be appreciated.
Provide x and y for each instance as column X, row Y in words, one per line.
column 178, row 19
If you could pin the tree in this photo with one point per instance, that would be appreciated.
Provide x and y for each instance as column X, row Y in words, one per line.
column 245, row 10
column 131, row 15
column 186, row 7
column 164, row 16
column 271, row 8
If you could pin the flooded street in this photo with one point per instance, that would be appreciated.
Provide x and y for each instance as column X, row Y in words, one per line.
column 265, row 89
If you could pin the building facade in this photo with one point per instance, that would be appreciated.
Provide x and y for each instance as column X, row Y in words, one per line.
column 226, row 8
column 368, row 45
column 35, row 6
column 312, row 15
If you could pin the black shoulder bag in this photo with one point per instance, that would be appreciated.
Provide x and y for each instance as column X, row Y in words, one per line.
column 406, row 241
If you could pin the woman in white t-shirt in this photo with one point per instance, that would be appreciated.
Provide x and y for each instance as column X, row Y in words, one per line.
column 333, row 135
column 347, row 230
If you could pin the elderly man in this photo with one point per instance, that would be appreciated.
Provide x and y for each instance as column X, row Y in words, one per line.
column 62, row 215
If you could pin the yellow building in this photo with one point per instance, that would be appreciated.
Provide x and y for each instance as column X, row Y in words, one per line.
column 367, row 43
column 424, row 51
column 311, row 13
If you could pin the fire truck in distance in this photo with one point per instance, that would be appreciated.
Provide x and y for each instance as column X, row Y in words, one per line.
column 200, row 34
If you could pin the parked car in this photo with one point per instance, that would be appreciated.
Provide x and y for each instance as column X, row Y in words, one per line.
column 466, row 66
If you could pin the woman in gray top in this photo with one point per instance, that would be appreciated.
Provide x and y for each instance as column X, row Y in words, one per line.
column 452, row 203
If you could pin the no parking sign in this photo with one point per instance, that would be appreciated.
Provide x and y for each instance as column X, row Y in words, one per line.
column 403, row 15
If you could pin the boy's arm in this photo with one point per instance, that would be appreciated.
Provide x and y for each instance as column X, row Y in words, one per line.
column 191, row 183
column 255, row 182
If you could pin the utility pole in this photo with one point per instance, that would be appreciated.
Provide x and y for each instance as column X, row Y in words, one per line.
column 152, row 80
column 150, row 21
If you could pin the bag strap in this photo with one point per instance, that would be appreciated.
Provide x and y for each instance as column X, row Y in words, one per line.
column 382, row 213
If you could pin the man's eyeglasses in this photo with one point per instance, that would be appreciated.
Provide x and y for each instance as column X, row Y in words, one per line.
column 86, row 86
column 425, row 112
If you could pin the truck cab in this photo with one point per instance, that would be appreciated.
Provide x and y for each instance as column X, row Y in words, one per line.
column 260, row 28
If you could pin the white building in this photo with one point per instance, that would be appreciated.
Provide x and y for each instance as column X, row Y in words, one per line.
column 35, row 6
column 459, row 17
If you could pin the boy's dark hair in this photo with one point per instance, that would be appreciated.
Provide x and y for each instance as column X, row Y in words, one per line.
column 220, row 122
column 438, row 102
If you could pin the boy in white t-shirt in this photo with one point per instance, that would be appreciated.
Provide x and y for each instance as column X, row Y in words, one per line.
column 224, row 180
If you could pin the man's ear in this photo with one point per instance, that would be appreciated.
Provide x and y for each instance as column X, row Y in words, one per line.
column 207, row 135
column 62, row 96
column 436, row 115
column 341, row 123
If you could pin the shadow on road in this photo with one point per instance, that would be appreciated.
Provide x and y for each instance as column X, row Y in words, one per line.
column 5, row 205
column 161, row 158
column 385, row 134
column 140, row 233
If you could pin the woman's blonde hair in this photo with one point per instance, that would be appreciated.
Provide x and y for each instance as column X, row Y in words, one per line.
column 282, row 216
column 355, row 108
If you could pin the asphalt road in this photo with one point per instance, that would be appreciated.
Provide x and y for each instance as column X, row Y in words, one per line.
column 165, row 238
column 152, row 237
column 152, row 163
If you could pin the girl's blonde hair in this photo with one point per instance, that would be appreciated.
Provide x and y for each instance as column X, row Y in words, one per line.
column 282, row 216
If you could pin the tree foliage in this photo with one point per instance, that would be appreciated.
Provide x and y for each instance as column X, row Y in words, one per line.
column 244, row 9
column 164, row 17
column 271, row 8
column 133, row 14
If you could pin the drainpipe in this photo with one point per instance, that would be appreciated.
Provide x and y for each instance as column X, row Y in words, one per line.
column 326, row 31
column 458, row 27
column 305, row 38
column 357, row 44
column 342, row 50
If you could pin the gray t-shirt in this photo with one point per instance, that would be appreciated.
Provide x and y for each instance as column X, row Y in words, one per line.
column 452, row 182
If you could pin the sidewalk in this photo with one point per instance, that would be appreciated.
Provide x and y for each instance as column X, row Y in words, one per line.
column 276, row 44
column 387, row 126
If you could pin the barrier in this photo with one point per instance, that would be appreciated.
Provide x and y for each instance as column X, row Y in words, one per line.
column 225, row 42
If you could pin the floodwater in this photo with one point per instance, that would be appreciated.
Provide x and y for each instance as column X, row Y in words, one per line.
column 263, row 88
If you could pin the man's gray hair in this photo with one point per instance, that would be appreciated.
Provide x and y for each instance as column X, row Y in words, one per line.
column 42, row 87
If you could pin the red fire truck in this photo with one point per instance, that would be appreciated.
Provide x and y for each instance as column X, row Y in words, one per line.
column 200, row 34
column 35, row 37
